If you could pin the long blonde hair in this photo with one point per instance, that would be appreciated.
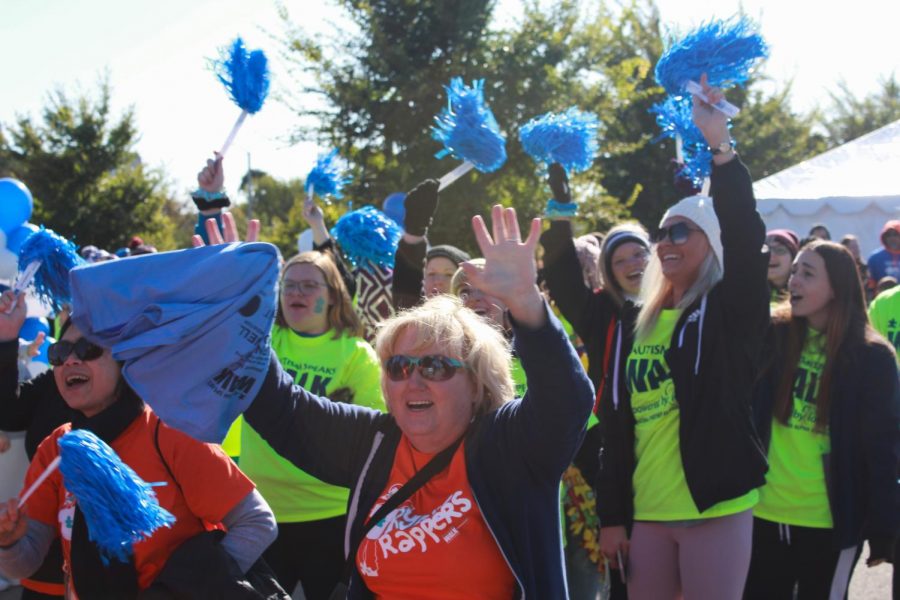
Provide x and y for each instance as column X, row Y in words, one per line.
column 656, row 290
column 458, row 332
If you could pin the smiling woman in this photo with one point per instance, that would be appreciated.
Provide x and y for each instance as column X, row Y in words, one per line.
column 89, row 380
column 677, row 433
column 464, row 474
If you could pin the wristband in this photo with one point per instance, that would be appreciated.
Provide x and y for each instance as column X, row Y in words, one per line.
column 205, row 200
column 556, row 209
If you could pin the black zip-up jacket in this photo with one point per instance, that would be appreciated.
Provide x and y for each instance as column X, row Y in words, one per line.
column 594, row 316
column 714, row 358
column 864, row 428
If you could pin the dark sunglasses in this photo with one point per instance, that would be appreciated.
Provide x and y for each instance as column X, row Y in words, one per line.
column 433, row 367
column 83, row 348
column 677, row 233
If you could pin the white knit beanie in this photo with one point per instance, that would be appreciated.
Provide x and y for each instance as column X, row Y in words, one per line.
column 699, row 209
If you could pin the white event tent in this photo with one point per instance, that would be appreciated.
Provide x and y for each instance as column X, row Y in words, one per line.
column 853, row 188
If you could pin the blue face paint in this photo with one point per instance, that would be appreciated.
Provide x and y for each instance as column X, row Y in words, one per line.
column 320, row 306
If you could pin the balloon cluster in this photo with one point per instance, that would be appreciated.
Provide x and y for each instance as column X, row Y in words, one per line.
column 16, row 205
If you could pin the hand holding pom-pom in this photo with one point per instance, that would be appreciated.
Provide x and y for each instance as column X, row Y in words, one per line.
column 712, row 123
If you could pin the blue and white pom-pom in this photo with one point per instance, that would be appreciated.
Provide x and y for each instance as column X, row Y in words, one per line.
column 674, row 117
column 120, row 509
column 725, row 50
column 467, row 127
column 328, row 177
column 245, row 75
column 367, row 235
column 53, row 256
column 569, row 138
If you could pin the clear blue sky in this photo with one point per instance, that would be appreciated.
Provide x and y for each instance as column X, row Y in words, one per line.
column 155, row 53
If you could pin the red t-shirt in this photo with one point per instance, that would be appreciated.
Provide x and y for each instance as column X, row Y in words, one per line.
column 211, row 484
column 436, row 544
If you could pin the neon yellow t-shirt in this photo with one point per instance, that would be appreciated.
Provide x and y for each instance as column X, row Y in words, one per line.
column 660, row 489
column 884, row 313
column 795, row 491
column 232, row 442
column 518, row 377
column 321, row 365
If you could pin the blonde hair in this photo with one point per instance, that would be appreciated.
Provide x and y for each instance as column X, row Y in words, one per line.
column 656, row 290
column 341, row 315
column 459, row 333
column 460, row 278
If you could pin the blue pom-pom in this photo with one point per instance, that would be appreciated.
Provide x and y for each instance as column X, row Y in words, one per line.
column 725, row 50
column 244, row 74
column 329, row 176
column 58, row 256
column 367, row 235
column 119, row 507
column 467, row 128
column 568, row 138
column 674, row 117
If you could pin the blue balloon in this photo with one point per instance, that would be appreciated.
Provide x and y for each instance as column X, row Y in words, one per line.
column 18, row 235
column 16, row 204
column 32, row 326
column 394, row 208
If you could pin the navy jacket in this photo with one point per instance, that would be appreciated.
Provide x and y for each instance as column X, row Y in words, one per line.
column 515, row 455
column 715, row 358
column 864, row 427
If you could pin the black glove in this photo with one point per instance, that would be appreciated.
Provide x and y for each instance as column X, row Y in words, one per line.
column 559, row 183
column 420, row 204
column 203, row 202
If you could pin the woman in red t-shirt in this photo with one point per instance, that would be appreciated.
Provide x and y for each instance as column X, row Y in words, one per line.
column 203, row 488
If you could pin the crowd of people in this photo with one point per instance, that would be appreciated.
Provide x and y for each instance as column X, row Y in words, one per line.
column 705, row 410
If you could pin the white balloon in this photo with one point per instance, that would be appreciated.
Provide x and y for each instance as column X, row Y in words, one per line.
column 8, row 262
column 305, row 241
column 36, row 367
column 36, row 308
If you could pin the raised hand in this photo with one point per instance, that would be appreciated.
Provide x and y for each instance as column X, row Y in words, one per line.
column 510, row 272
column 212, row 177
column 229, row 232
column 12, row 315
column 314, row 216
column 711, row 122
column 34, row 346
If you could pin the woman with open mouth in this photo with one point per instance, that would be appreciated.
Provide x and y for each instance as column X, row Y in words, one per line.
column 200, row 484
column 680, row 459
column 457, row 488
column 828, row 407
column 317, row 338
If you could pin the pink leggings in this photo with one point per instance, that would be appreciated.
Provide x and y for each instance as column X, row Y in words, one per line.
column 690, row 560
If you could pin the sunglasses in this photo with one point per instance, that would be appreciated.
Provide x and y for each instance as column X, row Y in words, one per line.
column 433, row 367
column 84, row 349
column 677, row 233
